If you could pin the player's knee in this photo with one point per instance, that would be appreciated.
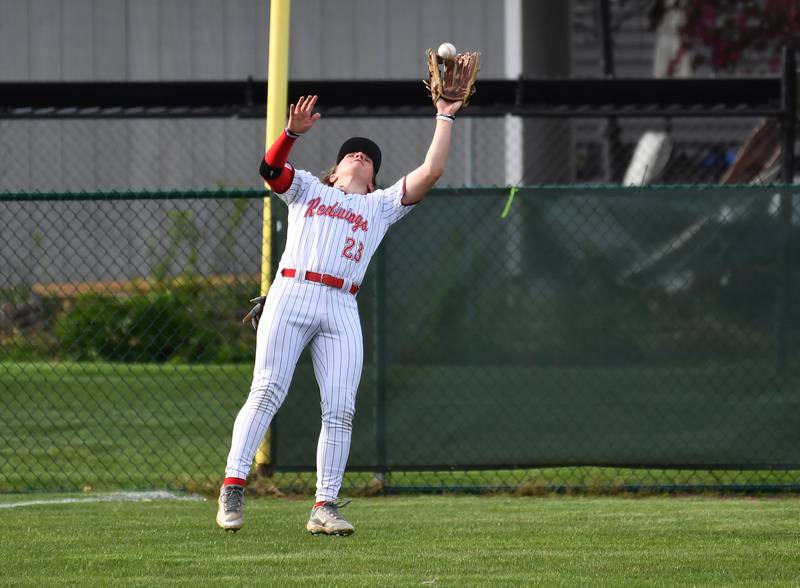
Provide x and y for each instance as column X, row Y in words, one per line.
column 266, row 396
column 339, row 416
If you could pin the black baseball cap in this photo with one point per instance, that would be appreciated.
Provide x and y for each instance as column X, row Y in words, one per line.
column 355, row 144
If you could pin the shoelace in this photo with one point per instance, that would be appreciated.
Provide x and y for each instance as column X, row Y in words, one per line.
column 233, row 496
column 333, row 508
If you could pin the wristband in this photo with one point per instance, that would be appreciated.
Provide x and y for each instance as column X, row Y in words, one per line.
column 290, row 134
column 447, row 117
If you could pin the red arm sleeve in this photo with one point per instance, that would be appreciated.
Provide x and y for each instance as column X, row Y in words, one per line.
column 274, row 168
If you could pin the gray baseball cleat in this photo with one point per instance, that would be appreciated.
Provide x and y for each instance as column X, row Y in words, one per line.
column 231, row 503
column 327, row 520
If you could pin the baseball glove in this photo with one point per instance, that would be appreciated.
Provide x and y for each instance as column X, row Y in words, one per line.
column 457, row 81
column 255, row 313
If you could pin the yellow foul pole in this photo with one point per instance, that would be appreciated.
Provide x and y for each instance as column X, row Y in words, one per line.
column 277, row 89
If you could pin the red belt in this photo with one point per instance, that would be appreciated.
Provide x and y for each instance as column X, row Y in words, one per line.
column 326, row 279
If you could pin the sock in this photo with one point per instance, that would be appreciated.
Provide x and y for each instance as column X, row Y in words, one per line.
column 234, row 482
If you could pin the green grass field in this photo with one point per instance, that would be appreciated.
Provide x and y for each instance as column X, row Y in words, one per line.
column 419, row 541
column 68, row 425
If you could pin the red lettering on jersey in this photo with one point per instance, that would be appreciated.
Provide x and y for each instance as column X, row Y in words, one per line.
column 316, row 208
column 312, row 205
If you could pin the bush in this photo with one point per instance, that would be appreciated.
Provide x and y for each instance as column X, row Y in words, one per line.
column 167, row 325
column 19, row 349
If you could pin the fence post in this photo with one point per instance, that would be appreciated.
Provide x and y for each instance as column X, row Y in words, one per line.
column 782, row 294
column 380, row 365
column 469, row 153
column 277, row 89
column 276, row 226
column 612, row 169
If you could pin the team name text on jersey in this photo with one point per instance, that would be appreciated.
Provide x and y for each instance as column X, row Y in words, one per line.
column 334, row 211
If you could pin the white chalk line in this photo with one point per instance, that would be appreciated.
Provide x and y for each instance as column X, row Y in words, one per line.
column 113, row 497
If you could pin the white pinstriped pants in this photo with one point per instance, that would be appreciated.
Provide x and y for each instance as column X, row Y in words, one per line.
column 297, row 314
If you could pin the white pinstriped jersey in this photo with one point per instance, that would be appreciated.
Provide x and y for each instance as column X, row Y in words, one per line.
column 334, row 233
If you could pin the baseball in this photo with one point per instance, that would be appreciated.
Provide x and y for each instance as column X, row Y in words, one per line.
column 446, row 51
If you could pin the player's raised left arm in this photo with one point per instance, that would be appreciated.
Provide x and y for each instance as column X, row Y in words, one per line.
column 422, row 179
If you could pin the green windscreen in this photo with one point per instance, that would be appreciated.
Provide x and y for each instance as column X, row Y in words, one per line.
column 637, row 327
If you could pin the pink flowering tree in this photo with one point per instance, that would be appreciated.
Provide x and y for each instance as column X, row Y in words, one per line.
column 720, row 32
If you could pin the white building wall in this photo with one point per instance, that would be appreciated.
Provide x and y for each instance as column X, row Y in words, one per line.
column 166, row 40
column 169, row 40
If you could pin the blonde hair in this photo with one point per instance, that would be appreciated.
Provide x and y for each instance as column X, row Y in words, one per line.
column 325, row 176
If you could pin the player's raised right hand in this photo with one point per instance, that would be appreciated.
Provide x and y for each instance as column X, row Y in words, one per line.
column 302, row 116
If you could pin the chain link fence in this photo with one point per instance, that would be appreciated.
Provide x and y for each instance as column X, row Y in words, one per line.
column 594, row 338
column 212, row 154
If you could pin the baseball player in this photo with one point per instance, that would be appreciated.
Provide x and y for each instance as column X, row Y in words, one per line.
column 335, row 226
